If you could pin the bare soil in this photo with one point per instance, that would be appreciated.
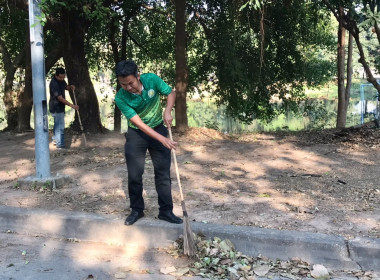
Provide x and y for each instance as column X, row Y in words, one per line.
column 318, row 181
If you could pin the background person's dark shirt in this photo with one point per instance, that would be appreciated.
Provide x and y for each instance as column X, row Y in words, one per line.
column 57, row 88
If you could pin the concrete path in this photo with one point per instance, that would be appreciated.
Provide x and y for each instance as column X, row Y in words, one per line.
column 25, row 257
column 334, row 252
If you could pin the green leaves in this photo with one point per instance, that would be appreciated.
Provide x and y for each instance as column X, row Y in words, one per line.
column 264, row 57
column 40, row 20
column 256, row 4
column 372, row 18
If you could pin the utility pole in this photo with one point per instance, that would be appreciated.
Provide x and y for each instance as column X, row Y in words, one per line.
column 41, row 125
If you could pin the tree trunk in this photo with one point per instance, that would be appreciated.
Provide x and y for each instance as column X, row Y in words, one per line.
column 181, row 67
column 25, row 99
column 363, row 61
column 113, row 29
column 73, row 38
column 342, row 112
column 349, row 71
column 24, row 109
column 10, row 96
column 352, row 27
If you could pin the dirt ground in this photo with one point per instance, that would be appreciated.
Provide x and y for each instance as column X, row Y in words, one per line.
column 321, row 181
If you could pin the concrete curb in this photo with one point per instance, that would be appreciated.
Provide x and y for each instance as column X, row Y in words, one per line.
column 332, row 251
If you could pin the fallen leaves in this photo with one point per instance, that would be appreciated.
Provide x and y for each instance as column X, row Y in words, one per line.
column 167, row 270
column 219, row 259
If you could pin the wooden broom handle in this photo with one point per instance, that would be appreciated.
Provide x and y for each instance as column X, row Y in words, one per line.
column 175, row 164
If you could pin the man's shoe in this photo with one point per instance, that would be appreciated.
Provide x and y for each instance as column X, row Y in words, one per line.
column 133, row 217
column 169, row 217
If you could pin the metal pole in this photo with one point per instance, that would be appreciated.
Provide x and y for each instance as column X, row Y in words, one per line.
column 39, row 92
column 362, row 104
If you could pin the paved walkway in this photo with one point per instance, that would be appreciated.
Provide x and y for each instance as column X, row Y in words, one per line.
column 334, row 252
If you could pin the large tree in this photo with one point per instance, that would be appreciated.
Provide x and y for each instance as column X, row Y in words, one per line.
column 69, row 21
column 266, row 54
column 182, row 79
column 356, row 17
column 13, row 49
column 344, row 74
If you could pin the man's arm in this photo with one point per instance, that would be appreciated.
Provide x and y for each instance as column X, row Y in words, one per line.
column 136, row 120
column 70, row 87
column 168, row 118
column 64, row 101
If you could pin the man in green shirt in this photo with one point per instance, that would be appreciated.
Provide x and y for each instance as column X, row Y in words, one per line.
column 139, row 100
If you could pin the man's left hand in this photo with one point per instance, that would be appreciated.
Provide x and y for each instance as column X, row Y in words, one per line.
column 168, row 119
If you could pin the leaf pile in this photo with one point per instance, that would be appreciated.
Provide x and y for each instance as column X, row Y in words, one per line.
column 218, row 259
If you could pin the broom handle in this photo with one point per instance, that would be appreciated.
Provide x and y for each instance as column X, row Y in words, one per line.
column 75, row 101
column 175, row 164
column 80, row 122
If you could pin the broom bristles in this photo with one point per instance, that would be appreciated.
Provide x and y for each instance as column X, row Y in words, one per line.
column 188, row 237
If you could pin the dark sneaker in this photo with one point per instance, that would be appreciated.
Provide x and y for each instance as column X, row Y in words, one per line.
column 61, row 148
column 169, row 217
column 133, row 217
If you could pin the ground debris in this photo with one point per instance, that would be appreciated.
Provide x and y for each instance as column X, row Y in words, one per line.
column 219, row 259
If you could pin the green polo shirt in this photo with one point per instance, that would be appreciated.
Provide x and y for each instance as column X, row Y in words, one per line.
column 147, row 105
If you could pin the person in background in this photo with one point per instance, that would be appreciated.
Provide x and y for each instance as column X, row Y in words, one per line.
column 57, row 105
column 139, row 100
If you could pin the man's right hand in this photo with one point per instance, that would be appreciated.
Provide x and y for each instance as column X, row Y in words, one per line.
column 169, row 143
column 76, row 107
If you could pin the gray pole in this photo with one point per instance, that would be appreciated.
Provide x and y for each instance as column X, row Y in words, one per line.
column 39, row 92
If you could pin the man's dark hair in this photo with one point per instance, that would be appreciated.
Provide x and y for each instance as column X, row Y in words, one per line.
column 59, row 71
column 125, row 68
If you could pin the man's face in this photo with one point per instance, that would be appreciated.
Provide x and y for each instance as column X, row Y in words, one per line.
column 130, row 83
column 60, row 77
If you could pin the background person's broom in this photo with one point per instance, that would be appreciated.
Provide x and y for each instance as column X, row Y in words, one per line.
column 80, row 122
column 188, row 238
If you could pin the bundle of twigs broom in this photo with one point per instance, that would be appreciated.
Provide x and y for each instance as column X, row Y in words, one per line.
column 188, row 238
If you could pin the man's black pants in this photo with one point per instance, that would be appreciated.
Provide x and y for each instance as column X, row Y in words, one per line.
column 136, row 145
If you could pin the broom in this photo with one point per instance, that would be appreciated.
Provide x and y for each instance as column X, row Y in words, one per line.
column 80, row 122
column 188, row 238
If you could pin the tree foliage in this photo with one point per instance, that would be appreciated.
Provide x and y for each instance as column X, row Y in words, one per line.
column 256, row 54
column 267, row 54
column 357, row 17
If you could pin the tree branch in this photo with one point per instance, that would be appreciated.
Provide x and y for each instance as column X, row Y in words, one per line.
column 203, row 24
column 7, row 60
column 9, row 65
column 53, row 56
column 134, row 41
column 112, row 39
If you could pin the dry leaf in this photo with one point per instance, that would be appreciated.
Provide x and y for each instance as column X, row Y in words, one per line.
column 167, row 270
column 319, row 272
column 261, row 270
column 121, row 275
column 180, row 271
column 226, row 261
